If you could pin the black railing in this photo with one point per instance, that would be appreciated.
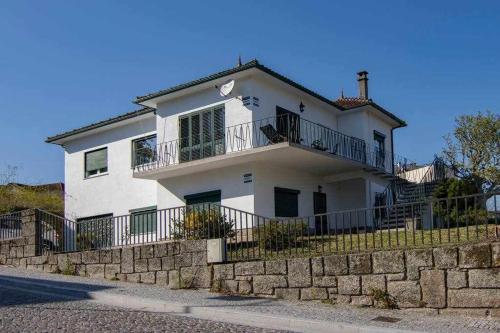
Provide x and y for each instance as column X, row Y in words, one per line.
column 264, row 132
column 10, row 226
column 413, row 182
column 250, row 236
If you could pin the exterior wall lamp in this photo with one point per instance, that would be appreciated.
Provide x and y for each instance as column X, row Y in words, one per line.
column 301, row 106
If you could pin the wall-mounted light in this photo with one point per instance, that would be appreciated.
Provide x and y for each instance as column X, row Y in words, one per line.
column 301, row 106
column 320, row 188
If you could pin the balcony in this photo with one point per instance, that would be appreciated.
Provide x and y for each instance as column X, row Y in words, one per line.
column 273, row 139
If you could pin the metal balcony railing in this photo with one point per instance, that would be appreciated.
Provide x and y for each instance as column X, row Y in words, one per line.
column 264, row 132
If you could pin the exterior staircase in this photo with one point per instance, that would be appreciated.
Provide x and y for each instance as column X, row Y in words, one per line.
column 405, row 198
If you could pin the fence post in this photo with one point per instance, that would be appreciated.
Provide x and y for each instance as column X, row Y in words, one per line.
column 30, row 231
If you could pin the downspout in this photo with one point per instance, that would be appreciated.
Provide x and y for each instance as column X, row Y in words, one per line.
column 392, row 149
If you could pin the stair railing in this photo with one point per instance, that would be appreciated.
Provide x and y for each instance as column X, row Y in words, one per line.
column 436, row 172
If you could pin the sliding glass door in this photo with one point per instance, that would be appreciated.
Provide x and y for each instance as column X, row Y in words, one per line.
column 201, row 134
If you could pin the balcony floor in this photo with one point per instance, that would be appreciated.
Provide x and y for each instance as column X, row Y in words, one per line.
column 286, row 155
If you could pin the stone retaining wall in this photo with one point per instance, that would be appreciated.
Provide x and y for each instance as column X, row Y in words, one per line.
column 12, row 251
column 457, row 278
column 177, row 265
column 442, row 279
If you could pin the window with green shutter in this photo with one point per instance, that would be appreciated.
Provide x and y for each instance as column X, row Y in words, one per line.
column 201, row 134
column 286, row 202
column 96, row 162
column 202, row 198
column 143, row 221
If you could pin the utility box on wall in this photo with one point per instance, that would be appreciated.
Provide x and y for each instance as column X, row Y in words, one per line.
column 216, row 250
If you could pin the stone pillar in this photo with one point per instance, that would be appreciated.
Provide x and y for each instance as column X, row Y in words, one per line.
column 30, row 232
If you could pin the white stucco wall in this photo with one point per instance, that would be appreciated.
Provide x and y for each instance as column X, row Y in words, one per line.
column 267, row 177
column 235, row 113
column 116, row 192
column 272, row 94
column 234, row 193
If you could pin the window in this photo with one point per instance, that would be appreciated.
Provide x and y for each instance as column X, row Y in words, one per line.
column 286, row 202
column 96, row 162
column 201, row 134
column 143, row 220
column 143, row 150
column 205, row 197
column 379, row 139
column 95, row 231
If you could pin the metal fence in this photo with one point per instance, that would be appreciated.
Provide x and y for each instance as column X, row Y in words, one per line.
column 263, row 132
column 10, row 226
column 250, row 236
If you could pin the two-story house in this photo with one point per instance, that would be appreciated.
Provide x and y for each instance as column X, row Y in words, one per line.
column 246, row 138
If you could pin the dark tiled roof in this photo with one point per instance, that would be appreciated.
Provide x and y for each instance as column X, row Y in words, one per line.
column 106, row 122
column 342, row 104
column 252, row 64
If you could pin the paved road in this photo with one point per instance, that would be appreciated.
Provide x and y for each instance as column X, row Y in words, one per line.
column 38, row 302
column 23, row 311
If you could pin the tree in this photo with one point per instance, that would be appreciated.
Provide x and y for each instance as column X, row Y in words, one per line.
column 473, row 151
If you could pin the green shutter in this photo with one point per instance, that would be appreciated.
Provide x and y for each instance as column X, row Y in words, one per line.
column 219, row 131
column 201, row 134
column 205, row 197
column 143, row 221
column 96, row 161
column 286, row 202
column 207, row 134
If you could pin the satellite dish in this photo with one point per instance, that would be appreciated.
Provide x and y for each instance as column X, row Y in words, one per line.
column 226, row 88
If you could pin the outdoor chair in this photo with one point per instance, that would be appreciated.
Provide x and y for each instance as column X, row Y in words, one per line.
column 318, row 144
column 272, row 134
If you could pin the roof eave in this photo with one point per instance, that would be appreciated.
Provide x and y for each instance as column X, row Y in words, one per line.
column 399, row 121
column 60, row 139
column 252, row 64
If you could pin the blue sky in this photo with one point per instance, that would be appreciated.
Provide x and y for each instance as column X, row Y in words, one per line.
column 65, row 64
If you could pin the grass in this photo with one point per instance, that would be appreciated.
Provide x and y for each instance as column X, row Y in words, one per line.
column 365, row 241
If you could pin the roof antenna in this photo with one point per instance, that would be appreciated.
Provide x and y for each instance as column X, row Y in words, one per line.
column 239, row 60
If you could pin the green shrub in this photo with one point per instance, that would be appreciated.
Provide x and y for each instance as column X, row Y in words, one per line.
column 278, row 235
column 469, row 210
column 203, row 223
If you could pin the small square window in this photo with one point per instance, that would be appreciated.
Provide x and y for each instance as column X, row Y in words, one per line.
column 144, row 150
column 96, row 162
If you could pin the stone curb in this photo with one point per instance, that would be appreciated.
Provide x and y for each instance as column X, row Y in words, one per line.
column 205, row 312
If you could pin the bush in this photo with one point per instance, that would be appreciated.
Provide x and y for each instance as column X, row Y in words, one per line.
column 454, row 187
column 16, row 198
column 279, row 235
column 203, row 223
column 469, row 210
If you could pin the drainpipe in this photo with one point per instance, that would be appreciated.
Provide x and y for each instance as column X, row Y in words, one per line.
column 392, row 150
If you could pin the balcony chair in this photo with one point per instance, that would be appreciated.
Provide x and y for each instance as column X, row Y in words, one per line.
column 318, row 144
column 272, row 134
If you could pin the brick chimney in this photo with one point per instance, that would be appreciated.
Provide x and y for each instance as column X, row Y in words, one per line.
column 363, row 84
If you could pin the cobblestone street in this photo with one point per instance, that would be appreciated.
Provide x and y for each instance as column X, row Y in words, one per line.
column 39, row 302
column 26, row 312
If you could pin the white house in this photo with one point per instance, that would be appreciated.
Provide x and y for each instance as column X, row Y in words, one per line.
column 247, row 138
